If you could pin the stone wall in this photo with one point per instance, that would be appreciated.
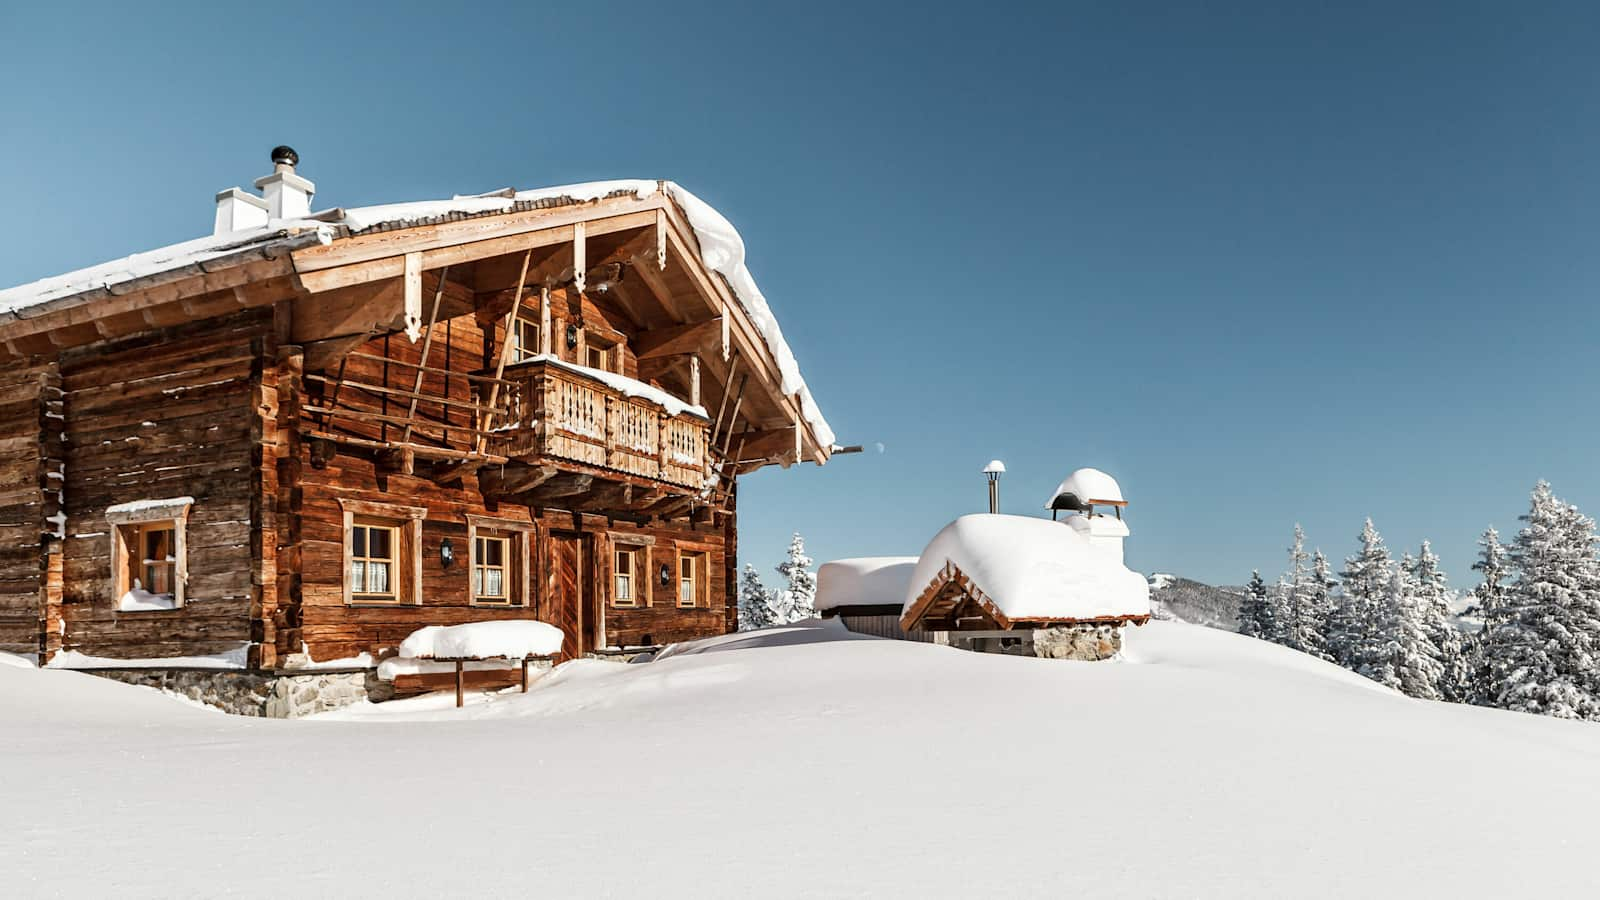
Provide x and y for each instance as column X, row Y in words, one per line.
column 275, row 696
column 1082, row 642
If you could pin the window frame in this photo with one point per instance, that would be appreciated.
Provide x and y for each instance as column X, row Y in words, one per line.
column 638, row 565
column 526, row 351
column 406, row 574
column 518, row 562
column 129, row 523
column 393, row 560
column 700, row 555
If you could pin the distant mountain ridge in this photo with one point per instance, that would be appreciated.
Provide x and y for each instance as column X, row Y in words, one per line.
column 1187, row 600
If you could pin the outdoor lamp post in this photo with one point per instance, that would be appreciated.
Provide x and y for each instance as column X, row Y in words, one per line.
column 994, row 470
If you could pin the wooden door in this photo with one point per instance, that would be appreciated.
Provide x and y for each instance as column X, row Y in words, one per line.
column 564, row 590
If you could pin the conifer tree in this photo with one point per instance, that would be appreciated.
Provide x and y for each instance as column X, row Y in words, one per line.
column 1542, row 650
column 1354, row 636
column 1489, row 606
column 1432, row 597
column 1408, row 660
column 755, row 601
column 1255, row 614
column 1303, row 621
column 1320, row 603
column 795, row 600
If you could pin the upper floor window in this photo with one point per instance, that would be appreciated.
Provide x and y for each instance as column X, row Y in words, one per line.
column 598, row 357
column 526, row 334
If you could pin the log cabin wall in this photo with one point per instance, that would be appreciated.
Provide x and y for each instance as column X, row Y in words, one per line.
column 30, row 501
column 168, row 414
column 331, row 628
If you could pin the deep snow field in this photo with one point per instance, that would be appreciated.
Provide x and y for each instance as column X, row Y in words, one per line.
column 807, row 761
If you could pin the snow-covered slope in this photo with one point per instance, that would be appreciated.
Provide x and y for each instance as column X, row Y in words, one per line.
column 800, row 761
column 1186, row 600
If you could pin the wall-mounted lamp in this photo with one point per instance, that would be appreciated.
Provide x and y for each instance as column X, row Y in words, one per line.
column 572, row 337
column 666, row 574
column 447, row 553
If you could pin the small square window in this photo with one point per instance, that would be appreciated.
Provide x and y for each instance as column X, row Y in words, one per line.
column 372, row 562
column 491, row 579
column 526, row 335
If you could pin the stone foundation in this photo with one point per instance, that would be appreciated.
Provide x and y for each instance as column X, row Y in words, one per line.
column 1089, row 643
column 272, row 695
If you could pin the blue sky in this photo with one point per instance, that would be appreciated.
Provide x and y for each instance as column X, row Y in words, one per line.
column 1265, row 263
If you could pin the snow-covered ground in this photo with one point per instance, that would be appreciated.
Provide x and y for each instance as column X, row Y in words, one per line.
column 806, row 761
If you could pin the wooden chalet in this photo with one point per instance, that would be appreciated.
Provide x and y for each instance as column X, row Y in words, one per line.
column 310, row 434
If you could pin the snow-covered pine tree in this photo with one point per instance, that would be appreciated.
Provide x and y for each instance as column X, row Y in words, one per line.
column 1488, row 606
column 1354, row 637
column 1255, row 613
column 1409, row 661
column 1542, row 653
column 795, row 601
column 755, row 601
column 1314, row 636
column 1302, row 626
column 1431, row 591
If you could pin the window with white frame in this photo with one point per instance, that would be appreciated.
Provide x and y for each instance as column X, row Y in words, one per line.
column 526, row 335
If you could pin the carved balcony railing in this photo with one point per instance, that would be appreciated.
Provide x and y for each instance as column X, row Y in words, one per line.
column 563, row 414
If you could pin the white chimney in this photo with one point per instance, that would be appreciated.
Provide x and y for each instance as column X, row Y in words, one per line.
column 288, row 196
column 1105, row 533
column 238, row 210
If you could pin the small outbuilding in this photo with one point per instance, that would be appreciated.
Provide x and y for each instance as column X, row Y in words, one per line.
column 867, row 594
column 1025, row 585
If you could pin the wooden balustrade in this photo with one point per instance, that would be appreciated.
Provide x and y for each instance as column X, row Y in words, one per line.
column 566, row 415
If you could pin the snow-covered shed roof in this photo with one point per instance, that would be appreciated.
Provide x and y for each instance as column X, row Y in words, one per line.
column 864, row 581
column 721, row 249
column 1016, row 569
column 1085, row 487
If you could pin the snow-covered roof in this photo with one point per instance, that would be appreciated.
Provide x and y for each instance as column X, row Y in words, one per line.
column 863, row 581
column 1083, row 487
column 1031, row 569
column 721, row 248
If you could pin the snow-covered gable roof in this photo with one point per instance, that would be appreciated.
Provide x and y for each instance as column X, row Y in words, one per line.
column 1025, row 569
column 721, row 249
column 863, row 581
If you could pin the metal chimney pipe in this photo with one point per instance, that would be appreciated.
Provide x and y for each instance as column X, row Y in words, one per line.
column 994, row 470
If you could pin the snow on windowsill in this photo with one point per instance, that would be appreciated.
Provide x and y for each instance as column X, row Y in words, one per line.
column 141, row 600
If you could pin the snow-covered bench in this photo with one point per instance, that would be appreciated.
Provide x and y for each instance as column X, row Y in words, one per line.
column 517, row 640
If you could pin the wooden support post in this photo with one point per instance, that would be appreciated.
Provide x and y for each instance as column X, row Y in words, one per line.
column 461, row 689
column 580, row 267
column 544, row 320
column 694, row 380
column 427, row 344
column 413, row 285
column 525, row 674
column 738, row 401
column 486, row 420
column 716, row 427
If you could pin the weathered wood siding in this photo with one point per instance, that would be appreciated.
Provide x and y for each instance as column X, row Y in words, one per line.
column 167, row 414
column 330, row 629
column 30, row 499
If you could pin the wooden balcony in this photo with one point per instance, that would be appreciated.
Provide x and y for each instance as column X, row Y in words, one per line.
column 559, row 413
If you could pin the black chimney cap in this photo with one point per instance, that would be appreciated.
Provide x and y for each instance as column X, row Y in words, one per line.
column 285, row 154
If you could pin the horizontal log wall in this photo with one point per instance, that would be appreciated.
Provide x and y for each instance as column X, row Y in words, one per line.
column 167, row 414
column 330, row 629
column 30, row 496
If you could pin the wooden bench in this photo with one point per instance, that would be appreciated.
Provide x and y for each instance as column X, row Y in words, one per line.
column 461, row 662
